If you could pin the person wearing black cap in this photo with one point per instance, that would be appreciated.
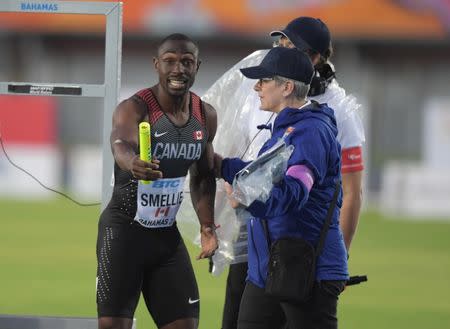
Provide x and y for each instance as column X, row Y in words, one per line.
column 306, row 34
column 232, row 98
column 297, row 205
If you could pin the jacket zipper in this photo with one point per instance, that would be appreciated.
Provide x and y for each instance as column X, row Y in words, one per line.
column 256, row 249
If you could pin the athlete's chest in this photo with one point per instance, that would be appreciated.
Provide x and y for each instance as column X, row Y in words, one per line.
column 171, row 142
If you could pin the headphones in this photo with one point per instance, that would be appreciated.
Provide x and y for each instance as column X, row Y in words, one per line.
column 321, row 79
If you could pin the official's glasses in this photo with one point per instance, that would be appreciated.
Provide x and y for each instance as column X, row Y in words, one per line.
column 263, row 80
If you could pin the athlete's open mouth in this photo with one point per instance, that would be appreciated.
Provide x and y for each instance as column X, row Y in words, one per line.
column 178, row 83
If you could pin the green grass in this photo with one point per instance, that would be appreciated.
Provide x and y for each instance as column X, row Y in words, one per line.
column 48, row 267
column 408, row 264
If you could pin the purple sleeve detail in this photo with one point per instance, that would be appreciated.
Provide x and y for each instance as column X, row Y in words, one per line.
column 303, row 174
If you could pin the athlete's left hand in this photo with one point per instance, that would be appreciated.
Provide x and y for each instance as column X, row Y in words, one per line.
column 208, row 240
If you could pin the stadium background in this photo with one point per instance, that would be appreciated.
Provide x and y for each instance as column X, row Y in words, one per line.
column 393, row 55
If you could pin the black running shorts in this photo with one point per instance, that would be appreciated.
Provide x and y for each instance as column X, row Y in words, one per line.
column 132, row 259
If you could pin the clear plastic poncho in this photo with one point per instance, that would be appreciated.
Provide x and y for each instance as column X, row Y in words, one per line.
column 237, row 106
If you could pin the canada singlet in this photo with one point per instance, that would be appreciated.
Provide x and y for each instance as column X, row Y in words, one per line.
column 156, row 204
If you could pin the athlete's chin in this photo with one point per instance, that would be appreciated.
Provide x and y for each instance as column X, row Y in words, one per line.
column 177, row 91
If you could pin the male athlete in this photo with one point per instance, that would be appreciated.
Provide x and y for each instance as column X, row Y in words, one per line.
column 139, row 247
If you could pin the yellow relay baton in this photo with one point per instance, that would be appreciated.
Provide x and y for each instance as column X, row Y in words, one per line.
column 145, row 144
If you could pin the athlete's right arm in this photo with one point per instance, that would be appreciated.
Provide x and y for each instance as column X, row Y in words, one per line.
column 124, row 141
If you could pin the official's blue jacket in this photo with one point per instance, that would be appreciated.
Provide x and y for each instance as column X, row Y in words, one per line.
column 292, row 211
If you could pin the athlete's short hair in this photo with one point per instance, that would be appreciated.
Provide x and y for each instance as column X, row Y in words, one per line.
column 178, row 37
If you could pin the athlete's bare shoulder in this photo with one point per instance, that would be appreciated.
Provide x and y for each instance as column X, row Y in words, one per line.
column 209, row 109
column 211, row 119
column 131, row 109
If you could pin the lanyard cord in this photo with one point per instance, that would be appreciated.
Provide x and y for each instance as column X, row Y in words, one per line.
column 256, row 135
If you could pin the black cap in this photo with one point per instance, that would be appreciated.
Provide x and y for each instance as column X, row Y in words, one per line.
column 284, row 62
column 307, row 33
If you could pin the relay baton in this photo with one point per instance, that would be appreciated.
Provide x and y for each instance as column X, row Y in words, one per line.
column 145, row 145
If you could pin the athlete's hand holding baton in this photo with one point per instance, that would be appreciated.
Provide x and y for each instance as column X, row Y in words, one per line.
column 143, row 167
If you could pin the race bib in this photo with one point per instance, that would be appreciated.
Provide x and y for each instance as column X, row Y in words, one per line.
column 159, row 201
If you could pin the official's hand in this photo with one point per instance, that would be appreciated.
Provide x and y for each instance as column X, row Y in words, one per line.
column 143, row 170
column 232, row 201
column 208, row 240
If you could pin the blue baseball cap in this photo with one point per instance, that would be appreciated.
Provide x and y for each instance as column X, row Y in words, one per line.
column 284, row 62
column 307, row 33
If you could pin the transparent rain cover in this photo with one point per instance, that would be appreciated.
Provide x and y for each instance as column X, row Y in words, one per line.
column 238, row 115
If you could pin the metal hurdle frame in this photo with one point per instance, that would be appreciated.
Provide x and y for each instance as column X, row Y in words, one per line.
column 109, row 90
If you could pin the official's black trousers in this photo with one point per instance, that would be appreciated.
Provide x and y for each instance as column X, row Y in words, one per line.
column 234, row 290
column 258, row 311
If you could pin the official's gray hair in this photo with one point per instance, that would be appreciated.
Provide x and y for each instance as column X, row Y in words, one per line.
column 300, row 89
